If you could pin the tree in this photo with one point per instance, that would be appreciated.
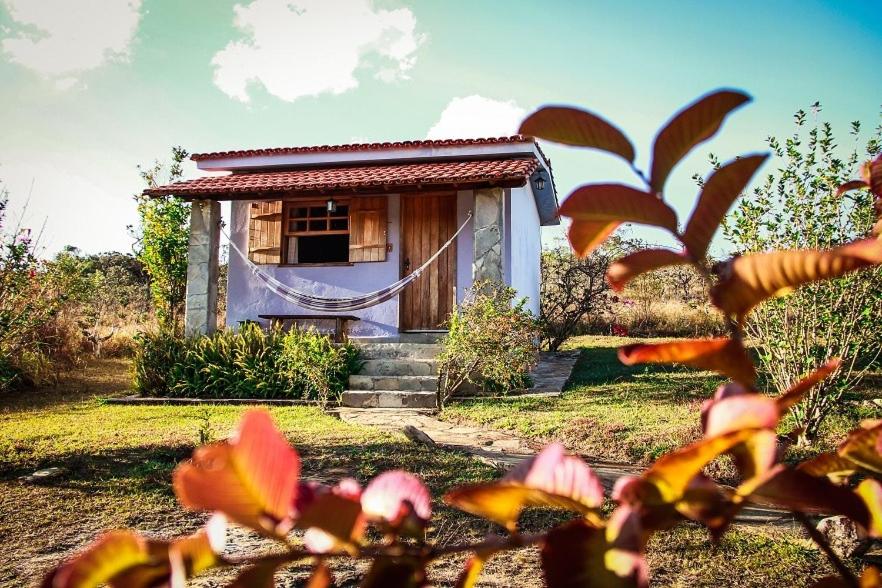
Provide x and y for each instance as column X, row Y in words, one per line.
column 162, row 238
column 572, row 289
column 798, row 207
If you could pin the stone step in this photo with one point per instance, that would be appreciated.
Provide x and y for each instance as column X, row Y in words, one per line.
column 408, row 383
column 388, row 399
column 398, row 350
column 399, row 367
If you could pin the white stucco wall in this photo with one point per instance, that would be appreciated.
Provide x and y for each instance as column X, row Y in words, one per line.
column 523, row 245
column 248, row 297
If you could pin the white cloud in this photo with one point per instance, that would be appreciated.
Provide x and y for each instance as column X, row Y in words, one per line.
column 297, row 48
column 60, row 39
column 475, row 117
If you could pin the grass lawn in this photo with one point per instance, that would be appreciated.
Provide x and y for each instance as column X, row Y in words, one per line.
column 625, row 413
column 116, row 463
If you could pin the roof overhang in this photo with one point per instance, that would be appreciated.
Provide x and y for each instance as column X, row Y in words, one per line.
column 413, row 166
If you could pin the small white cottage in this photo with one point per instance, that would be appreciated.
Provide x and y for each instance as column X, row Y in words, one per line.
column 385, row 236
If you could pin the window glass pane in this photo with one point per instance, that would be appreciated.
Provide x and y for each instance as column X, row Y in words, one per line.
column 318, row 225
column 300, row 225
column 292, row 226
column 339, row 224
column 323, row 249
column 317, row 211
column 342, row 210
column 299, row 212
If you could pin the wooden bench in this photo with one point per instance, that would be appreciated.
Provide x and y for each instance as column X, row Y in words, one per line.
column 340, row 321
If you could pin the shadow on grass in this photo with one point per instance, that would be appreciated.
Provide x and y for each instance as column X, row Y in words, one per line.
column 148, row 468
column 101, row 378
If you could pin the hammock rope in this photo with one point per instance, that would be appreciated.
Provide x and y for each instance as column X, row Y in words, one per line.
column 340, row 304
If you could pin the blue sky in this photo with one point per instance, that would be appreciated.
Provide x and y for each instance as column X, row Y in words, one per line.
column 90, row 89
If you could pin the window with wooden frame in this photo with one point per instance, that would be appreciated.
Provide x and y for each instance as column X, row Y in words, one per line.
column 313, row 232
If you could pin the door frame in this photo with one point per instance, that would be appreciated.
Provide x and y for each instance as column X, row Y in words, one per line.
column 450, row 267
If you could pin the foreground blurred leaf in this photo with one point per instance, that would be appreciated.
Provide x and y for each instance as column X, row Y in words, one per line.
column 870, row 492
column 111, row 554
column 617, row 203
column 673, row 472
column 551, row 479
column 798, row 390
column 395, row 572
column 579, row 128
column 725, row 356
column 579, row 554
column 472, row 569
column 693, row 125
column 748, row 280
column 585, row 236
column 830, row 465
column 252, row 478
column 126, row 559
column 398, row 499
column 720, row 190
column 623, row 270
column 796, row 490
column 863, row 447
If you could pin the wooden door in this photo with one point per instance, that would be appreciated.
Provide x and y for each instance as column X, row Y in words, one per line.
column 428, row 220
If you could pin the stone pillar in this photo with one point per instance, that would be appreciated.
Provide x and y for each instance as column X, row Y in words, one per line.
column 488, row 227
column 200, row 313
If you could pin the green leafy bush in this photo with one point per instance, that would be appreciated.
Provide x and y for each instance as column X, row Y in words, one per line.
column 491, row 343
column 248, row 363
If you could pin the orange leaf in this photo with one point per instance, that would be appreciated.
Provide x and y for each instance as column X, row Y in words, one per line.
column 830, row 465
column 870, row 491
column 693, row 125
column 798, row 390
column 473, row 568
column 321, row 576
column 252, row 478
column 261, row 575
column 338, row 517
column 872, row 174
column 551, row 479
column 124, row 558
column 573, row 126
column 748, row 280
column 798, row 491
column 110, row 555
column 726, row 356
column 618, row 203
column 395, row 572
column 862, row 447
column 580, row 554
column 717, row 195
column 586, row 236
column 851, row 185
column 673, row 472
column 627, row 268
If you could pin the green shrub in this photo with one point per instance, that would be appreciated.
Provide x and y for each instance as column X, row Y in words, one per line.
column 248, row 363
column 491, row 343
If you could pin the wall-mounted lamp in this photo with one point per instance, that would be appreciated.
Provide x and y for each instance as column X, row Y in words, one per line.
column 540, row 182
column 332, row 205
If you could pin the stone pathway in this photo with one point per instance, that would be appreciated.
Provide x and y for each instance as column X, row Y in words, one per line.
column 503, row 450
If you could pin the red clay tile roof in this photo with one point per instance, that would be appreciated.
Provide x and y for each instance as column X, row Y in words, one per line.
column 461, row 173
column 428, row 143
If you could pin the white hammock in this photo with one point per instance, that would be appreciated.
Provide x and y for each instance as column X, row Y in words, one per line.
column 341, row 304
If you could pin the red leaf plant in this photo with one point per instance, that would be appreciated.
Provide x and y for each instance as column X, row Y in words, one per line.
column 253, row 479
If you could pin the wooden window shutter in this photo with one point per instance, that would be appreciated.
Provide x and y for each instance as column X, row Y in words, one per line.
column 265, row 232
column 367, row 228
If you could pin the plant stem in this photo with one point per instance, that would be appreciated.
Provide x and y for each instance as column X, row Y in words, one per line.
column 816, row 536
